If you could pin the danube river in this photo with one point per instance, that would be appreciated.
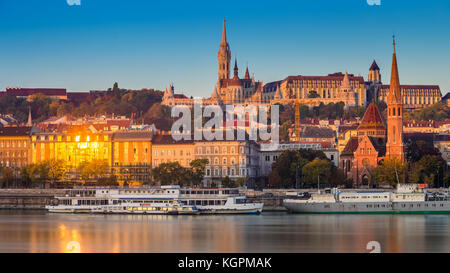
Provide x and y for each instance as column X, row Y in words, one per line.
column 38, row 231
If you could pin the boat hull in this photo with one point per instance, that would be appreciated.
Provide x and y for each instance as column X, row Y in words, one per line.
column 427, row 207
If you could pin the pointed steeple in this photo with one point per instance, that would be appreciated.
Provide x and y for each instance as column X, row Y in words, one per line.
column 394, row 144
column 345, row 85
column 236, row 70
column 247, row 74
column 277, row 95
column 215, row 95
column 394, row 89
column 374, row 66
column 29, row 123
column 224, row 56
column 224, row 33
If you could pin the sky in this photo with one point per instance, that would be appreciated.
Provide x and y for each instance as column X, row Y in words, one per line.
column 87, row 45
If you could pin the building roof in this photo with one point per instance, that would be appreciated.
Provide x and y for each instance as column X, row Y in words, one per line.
column 346, row 127
column 372, row 119
column 415, row 136
column 165, row 139
column 15, row 131
column 374, row 66
column 133, row 135
column 352, row 145
column 330, row 77
column 387, row 86
column 24, row 92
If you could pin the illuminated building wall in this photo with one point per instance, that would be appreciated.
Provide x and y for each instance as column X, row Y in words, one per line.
column 72, row 148
column 132, row 156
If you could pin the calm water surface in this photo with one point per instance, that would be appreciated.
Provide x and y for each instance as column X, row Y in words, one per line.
column 36, row 231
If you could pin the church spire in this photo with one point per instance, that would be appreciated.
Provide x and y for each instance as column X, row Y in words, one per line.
column 224, row 32
column 247, row 74
column 394, row 145
column 394, row 89
column 236, row 70
column 224, row 56
column 29, row 123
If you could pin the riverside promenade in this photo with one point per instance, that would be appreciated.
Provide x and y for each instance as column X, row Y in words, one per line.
column 27, row 198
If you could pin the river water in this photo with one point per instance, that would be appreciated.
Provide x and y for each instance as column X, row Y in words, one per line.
column 38, row 231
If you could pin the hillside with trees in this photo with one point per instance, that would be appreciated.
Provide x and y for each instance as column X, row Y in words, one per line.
column 114, row 101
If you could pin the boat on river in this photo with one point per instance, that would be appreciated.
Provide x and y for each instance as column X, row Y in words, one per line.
column 160, row 200
column 408, row 198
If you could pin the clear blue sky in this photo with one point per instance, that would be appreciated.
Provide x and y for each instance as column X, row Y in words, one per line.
column 151, row 43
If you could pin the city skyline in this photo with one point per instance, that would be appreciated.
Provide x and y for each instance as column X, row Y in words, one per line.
column 71, row 46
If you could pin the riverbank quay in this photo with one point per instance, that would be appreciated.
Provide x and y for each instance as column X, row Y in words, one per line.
column 35, row 199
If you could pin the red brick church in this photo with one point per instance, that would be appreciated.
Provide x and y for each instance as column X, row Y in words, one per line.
column 376, row 139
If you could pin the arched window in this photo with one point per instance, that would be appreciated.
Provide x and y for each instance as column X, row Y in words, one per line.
column 393, row 134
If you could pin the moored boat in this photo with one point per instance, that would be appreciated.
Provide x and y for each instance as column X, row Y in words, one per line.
column 408, row 198
column 160, row 200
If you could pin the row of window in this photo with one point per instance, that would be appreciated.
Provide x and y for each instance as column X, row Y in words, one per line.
column 13, row 144
column 216, row 150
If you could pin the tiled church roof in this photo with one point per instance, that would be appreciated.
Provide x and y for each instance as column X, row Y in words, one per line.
column 372, row 119
column 374, row 66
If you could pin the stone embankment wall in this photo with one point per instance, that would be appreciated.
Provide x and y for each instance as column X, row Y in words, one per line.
column 27, row 198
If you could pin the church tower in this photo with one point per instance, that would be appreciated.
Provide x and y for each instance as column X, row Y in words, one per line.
column 394, row 145
column 224, row 56
column 374, row 73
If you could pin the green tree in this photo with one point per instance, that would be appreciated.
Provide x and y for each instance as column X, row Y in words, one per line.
column 170, row 173
column 391, row 171
column 30, row 175
column 57, row 169
column 318, row 170
column 94, row 169
column 428, row 170
column 198, row 170
column 8, row 177
column 228, row 183
column 418, row 149
column 437, row 112
column 241, row 181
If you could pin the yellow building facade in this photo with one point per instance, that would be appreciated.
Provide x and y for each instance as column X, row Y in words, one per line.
column 15, row 146
column 72, row 148
column 165, row 149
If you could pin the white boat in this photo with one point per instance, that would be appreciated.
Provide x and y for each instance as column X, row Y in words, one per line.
column 161, row 200
column 408, row 199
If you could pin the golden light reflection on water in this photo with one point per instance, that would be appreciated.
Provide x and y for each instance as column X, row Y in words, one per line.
column 265, row 233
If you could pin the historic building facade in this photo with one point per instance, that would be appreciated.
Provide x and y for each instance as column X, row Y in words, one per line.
column 412, row 96
column 334, row 88
column 15, row 146
column 228, row 90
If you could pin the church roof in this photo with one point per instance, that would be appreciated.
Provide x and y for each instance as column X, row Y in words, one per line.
column 372, row 119
column 351, row 146
column 374, row 66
